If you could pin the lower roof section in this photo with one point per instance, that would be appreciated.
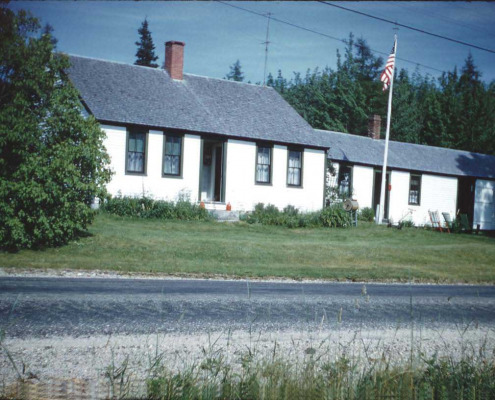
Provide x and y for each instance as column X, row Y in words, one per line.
column 355, row 149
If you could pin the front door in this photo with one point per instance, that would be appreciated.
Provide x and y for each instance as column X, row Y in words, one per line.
column 212, row 171
column 376, row 192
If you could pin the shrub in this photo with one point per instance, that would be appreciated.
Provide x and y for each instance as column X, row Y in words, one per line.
column 146, row 207
column 406, row 224
column 291, row 217
column 335, row 217
column 366, row 214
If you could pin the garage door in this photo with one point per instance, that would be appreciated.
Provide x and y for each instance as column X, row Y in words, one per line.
column 484, row 205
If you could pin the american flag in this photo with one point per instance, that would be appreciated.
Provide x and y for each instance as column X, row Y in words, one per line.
column 389, row 70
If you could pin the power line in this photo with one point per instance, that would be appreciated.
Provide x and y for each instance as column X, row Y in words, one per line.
column 408, row 27
column 346, row 42
column 444, row 18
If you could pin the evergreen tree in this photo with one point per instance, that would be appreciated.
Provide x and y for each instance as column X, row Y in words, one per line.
column 145, row 54
column 52, row 159
column 433, row 131
column 368, row 69
column 472, row 121
column 406, row 116
column 349, row 93
column 269, row 80
column 235, row 73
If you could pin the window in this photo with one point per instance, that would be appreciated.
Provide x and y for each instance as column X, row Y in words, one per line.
column 172, row 155
column 263, row 164
column 294, row 168
column 136, row 152
column 345, row 180
column 415, row 189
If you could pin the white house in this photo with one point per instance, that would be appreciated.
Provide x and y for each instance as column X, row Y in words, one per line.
column 171, row 134
column 419, row 178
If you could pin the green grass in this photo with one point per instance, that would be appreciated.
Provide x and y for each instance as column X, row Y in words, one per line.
column 367, row 252
column 338, row 380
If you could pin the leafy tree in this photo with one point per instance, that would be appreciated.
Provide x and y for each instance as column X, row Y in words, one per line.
column 235, row 73
column 145, row 54
column 52, row 159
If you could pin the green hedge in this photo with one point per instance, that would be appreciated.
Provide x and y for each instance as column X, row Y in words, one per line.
column 332, row 217
column 145, row 207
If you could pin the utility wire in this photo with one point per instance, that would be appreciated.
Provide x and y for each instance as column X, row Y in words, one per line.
column 444, row 18
column 408, row 27
column 346, row 42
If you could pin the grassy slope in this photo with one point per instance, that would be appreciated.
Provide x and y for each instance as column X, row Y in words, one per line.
column 364, row 253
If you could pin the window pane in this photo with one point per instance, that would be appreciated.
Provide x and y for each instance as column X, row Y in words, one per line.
column 263, row 173
column 414, row 189
column 136, row 152
column 132, row 143
column 263, row 165
column 135, row 161
column 294, row 176
column 172, row 154
column 263, row 155
column 295, row 159
column 172, row 165
column 344, row 180
column 140, row 143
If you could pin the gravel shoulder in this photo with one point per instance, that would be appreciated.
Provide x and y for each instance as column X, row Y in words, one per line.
column 87, row 358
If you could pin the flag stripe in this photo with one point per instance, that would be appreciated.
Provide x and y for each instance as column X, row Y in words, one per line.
column 386, row 76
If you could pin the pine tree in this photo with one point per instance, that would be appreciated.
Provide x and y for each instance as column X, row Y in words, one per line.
column 472, row 95
column 235, row 73
column 406, row 116
column 145, row 54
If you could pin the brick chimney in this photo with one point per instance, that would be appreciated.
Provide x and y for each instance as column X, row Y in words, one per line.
column 174, row 59
column 374, row 125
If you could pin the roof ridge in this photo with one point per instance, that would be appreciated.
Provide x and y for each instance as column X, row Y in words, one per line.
column 227, row 80
column 164, row 70
column 119, row 62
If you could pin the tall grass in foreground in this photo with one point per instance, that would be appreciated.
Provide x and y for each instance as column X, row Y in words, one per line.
column 437, row 379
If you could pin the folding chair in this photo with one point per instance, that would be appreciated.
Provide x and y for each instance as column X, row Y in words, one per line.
column 435, row 220
column 449, row 224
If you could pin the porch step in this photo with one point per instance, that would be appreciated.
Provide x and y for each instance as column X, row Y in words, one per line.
column 215, row 205
column 225, row 216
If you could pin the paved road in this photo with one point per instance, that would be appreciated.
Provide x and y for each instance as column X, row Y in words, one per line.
column 44, row 307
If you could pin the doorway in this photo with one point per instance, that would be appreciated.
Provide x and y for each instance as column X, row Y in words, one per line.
column 212, row 176
column 465, row 196
column 376, row 192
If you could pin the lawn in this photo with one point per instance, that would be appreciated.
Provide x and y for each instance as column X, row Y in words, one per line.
column 367, row 252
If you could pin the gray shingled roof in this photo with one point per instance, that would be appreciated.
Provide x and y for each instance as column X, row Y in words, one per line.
column 130, row 94
column 408, row 156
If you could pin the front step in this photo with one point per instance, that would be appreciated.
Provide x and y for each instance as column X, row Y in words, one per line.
column 225, row 216
column 215, row 205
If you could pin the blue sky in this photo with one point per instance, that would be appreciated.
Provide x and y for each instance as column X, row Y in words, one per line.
column 216, row 35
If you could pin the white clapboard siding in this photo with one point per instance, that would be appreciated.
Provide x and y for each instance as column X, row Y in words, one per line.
column 152, row 184
column 243, row 193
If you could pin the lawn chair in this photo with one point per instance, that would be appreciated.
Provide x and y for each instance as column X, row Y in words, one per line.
column 465, row 226
column 435, row 220
column 449, row 224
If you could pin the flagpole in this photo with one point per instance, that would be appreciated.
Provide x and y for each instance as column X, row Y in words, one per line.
column 385, row 154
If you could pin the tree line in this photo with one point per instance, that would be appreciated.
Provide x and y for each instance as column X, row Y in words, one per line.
column 457, row 110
